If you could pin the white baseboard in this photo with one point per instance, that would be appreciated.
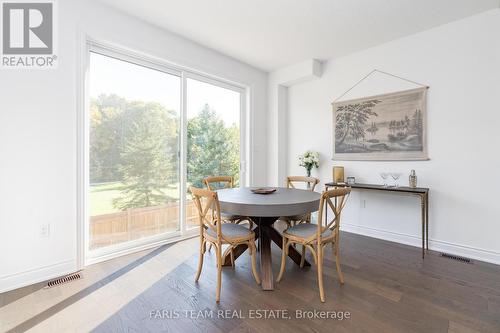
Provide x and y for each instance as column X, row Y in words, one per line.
column 436, row 245
column 26, row 278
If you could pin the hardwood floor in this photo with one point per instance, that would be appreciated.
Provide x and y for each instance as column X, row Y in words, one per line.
column 388, row 288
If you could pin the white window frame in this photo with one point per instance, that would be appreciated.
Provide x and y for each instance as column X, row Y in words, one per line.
column 86, row 257
column 244, row 172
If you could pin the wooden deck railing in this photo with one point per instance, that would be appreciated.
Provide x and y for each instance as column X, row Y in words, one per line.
column 135, row 223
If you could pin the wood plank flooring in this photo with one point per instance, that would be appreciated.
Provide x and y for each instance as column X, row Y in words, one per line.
column 388, row 288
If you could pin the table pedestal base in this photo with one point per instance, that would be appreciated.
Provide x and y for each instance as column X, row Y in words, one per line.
column 265, row 233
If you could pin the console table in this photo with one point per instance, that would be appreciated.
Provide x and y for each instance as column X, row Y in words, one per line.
column 422, row 192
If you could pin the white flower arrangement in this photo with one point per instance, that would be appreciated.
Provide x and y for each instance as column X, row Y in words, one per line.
column 309, row 160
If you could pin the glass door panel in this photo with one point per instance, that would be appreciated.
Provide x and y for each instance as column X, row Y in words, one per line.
column 134, row 131
column 213, row 136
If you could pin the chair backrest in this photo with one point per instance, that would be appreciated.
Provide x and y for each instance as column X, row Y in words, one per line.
column 340, row 196
column 310, row 182
column 218, row 182
column 207, row 204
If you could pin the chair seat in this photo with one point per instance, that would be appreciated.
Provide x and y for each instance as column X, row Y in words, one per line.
column 306, row 230
column 231, row 231
column 229, row 217
column 294, row 217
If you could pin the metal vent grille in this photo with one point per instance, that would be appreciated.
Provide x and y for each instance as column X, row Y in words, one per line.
column 64, row 279
column 457, row 258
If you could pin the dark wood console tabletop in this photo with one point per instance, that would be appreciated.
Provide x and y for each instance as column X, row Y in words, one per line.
column 422, row 192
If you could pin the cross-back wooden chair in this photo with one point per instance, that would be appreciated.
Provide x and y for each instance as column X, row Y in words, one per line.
column 217, row 234
column 214, row 183
column 217, row 182
column 316, row 237
column 308, row 183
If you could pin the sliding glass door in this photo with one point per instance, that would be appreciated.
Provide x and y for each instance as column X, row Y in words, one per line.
column 213, row 135
column 153, row 131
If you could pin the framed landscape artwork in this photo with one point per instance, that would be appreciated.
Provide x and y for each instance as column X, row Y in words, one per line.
column 381, row 128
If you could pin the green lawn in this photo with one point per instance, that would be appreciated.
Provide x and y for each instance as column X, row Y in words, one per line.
column 101, row 197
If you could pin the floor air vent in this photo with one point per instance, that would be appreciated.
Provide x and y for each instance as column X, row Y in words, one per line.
column 457, row 258
column 64, row 279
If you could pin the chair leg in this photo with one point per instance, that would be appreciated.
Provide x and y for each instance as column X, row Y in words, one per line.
column 320, row 273
column 251, row 247
column 250, row 223
column 200, row 261
column 314, row 255
column 303, row 257
column 219, row 271
column 209, row 247
column 337, row 263
column 232, row 257
column 229, row 251
column 283, row 259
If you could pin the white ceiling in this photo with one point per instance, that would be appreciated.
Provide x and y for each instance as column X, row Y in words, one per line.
column 269, row 34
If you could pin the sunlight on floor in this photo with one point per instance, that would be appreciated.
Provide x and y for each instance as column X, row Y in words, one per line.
column 98, row 304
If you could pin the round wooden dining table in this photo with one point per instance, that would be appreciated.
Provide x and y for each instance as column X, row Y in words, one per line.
column 264, row 210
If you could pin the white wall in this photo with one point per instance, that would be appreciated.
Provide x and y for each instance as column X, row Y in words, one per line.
column 38, row 136
column 460, row 63
column 277, row 96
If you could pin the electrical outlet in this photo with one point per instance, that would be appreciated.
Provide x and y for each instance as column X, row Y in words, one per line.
column 45, row 230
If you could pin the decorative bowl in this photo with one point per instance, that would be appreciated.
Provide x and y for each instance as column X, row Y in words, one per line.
column 263, row 190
